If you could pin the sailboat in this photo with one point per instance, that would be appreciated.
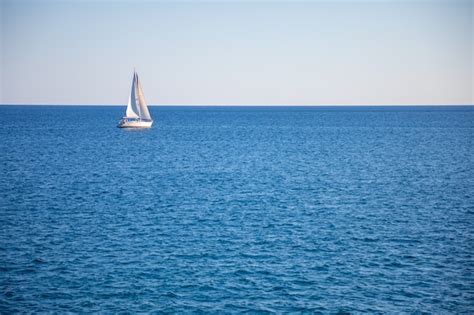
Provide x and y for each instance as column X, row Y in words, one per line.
column 137, row 114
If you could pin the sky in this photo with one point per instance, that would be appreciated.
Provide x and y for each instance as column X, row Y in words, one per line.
column 230, row 52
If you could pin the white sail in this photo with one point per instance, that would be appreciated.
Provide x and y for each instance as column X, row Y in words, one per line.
column 137, row 114
column 132, row 102
column 142, row 107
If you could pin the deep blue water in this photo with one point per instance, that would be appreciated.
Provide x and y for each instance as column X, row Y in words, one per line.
column 332, row 209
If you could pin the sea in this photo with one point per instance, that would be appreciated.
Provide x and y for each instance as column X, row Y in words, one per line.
column 274, row 209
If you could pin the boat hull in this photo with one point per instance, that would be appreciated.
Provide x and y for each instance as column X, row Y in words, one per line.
column 135, row 124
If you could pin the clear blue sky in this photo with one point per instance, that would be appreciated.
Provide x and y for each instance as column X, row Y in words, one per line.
column 238, row 52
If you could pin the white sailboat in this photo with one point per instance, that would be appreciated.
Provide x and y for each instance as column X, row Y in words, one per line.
column 137, row 114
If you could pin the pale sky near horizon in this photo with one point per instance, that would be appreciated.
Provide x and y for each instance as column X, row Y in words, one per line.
column 233, row 52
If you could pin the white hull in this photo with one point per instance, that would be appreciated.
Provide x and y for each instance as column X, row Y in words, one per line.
column 134, row 124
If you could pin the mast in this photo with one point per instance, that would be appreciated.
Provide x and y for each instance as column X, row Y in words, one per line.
column 137, row 101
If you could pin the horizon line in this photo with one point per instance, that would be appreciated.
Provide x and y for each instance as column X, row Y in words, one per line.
column 236, row 105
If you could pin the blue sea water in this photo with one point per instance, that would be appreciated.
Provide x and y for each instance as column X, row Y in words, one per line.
column 230, row 209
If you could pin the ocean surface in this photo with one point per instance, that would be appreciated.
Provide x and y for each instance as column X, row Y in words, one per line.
column 232, row 209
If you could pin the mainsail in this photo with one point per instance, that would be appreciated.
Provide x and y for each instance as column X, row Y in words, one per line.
column 137, row 107
column 142, row 107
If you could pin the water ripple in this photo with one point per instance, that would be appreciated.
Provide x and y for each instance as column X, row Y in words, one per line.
column 237, row 210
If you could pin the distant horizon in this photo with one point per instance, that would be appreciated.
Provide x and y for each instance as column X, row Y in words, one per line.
column 252, row 105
